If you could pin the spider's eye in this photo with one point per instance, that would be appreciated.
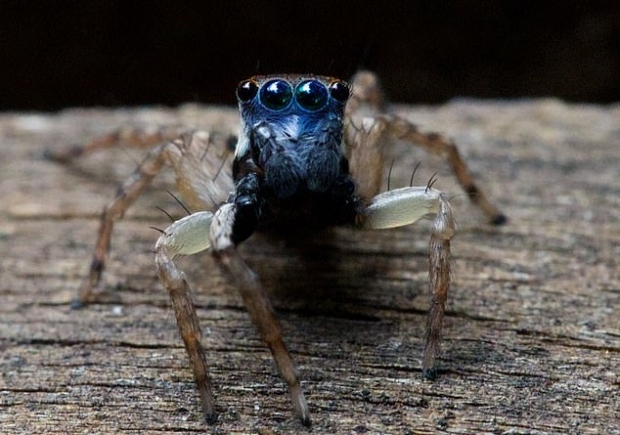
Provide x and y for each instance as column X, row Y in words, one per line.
column 339, row 91
column 276, row 94
column 246, row 90
column 311, row 95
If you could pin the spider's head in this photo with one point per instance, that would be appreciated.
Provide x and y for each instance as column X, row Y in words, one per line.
column 292, row 130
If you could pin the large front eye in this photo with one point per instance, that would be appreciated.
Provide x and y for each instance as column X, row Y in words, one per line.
column 276, row 94
column 339, row 91
column 246, row 90
column 311, row 95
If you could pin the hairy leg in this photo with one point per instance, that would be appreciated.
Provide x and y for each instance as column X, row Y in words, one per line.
column 257, row 303
column 370, row 129
column 202, row 177
column 402, row 129
column 405, row 206
column 185, row 237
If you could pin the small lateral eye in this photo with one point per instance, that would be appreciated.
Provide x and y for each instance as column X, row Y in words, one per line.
column 339, row 91
column 311, row 95
column 246, row 90
column 276, row 94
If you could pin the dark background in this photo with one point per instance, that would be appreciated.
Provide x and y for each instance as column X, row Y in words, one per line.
column 55, row 54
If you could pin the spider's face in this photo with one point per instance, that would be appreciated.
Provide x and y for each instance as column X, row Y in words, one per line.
column 291, row 131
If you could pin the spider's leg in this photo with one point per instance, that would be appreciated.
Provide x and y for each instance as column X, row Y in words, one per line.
column 402, row 129
column 187, row 236
column 195, row 180
column 405, row 206
column 128, row 192
column 232, row 223
column 262, row 314
column 369, row 128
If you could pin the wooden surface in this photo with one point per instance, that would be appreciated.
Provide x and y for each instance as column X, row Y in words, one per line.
column 532, row 339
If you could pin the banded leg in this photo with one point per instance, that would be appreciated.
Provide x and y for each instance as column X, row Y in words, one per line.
column 187, row 236
column 129, row 191
column 197, row 161
column 405, row 206
column 402, row 129
column 197, row 232
column 370, row 129
column 257, row 303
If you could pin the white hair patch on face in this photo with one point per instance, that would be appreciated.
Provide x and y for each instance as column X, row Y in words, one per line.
column 264, row 131
column 243, row 145
column 293, row 127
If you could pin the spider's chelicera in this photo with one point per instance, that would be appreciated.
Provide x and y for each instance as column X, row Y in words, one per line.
column 310, row 154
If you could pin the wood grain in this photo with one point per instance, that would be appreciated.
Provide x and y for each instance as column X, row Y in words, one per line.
column 532, row 338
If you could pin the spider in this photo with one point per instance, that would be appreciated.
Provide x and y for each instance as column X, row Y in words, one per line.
column 310, row 154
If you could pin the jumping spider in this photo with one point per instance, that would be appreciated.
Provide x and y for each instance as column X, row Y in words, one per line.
column 310, row 154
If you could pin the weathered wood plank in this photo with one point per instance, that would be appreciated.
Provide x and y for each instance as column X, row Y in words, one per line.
column 532, row 340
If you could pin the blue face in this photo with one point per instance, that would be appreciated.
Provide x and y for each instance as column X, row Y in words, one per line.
column 292, row 131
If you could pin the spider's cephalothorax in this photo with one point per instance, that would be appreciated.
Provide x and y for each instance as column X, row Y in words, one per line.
column 310, row 153
column 290, row 163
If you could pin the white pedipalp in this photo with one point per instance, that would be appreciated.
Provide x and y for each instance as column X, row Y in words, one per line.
column 186, row 236
column 404, row 206
column 243, row 143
